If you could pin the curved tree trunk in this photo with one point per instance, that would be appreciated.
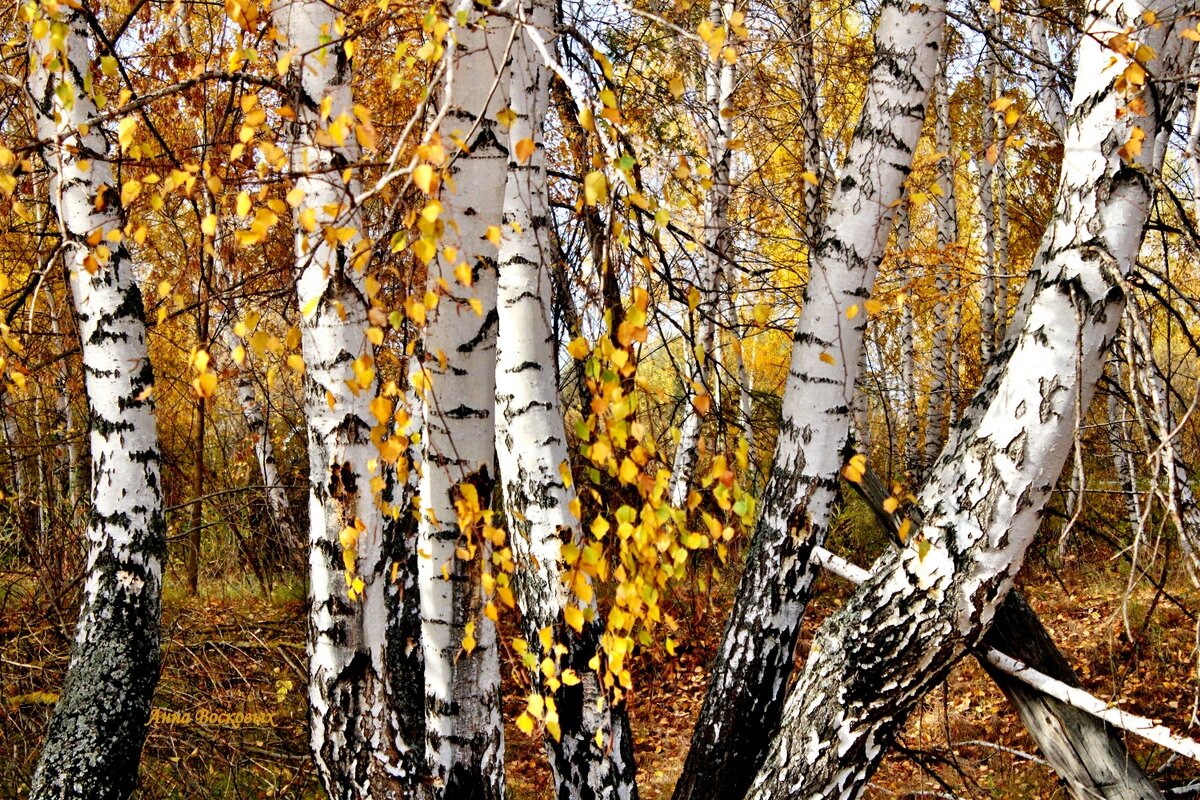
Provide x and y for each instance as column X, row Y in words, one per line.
column 745, row 695
column 99, row 725
column 926, row 605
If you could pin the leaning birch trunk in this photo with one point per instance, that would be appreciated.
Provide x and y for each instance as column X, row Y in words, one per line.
column 593, row 755
column 357, row 740
column 926, row 605
column 95, row 736
column 718, row 122
column 745, row 695
column 464, row 730
column 1089, row 756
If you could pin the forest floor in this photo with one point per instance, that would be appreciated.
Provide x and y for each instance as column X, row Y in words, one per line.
column 233, row 649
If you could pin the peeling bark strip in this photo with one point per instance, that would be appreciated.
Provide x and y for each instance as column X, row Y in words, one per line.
column 923, row 607
column 465, row 734
column 357, row 740
column 531, row 443
column 745, row 696
column 96, row 734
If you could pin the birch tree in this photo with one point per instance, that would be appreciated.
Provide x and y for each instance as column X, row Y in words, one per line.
column 96, row 734
column 587, row 734
column 924, row 606
column 745, row 695
column 359, row 739
column 462, row 668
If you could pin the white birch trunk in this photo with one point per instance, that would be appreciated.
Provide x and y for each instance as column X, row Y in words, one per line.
column 745, row 695
column 987, row 304
column 1000, row 200
column 1047, row 91
column 96, row 734
column 923, row 607
column 594, row 756
column 718, row 124
column 464, row 731
column 358, row 742
column 908, row 356
column 1118, row 443
column 936, row 416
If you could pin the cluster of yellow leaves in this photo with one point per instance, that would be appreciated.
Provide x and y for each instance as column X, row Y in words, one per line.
column 478, row 536
column 348, row 538
column 641, row 549
column 205, row 382
column 11, row 369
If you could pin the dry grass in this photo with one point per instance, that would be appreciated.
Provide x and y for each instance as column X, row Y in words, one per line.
column 231, row 650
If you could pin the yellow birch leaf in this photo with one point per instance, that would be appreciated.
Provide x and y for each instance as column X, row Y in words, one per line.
column 828, row 359
column 209, row 225
column 579, row 348
column 205, row 385
column 129, row 191
column 574, row 618
column 523, row 150
column 423, row 178
column 126, row 129
column 595, row 187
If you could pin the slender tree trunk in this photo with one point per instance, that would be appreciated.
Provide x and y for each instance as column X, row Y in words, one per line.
column 703, row 378
column 96, row 734
column 1047, row 92
column 592, row 757
column 462, row 682
column 941, row 367
column 1000, row 200
column 985, row 165
column 924, row 606
column 908, row 356
column 1118, row 443
column 358, row 739
column 196, row 522
column 745, row 695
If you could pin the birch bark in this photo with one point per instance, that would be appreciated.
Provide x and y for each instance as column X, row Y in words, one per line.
column 926, row 605
column 745, row 695
column 941, row 363
column 464, row 730
column 593, row 757
column 96, row 733
column 358, row 738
